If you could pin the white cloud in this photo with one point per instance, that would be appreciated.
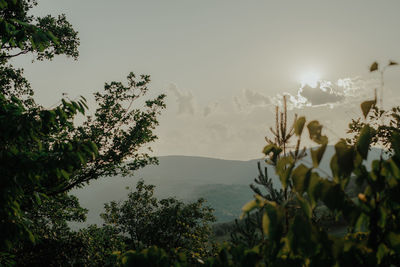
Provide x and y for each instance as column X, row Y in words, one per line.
column 238, row 103
column 250, row 99
column 326, row 93
column 256, row 99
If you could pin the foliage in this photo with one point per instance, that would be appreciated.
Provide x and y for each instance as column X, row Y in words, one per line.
column 91, row 246
column 42, row 153
column 226, row 255
column 49, row 224
column 99, row 244
column 248, row 231
column 22, row 33
column 384, row 123
column 28, row 165
column 168, row 223
column 372, row 217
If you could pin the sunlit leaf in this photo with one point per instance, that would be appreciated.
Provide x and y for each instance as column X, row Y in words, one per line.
column 272, row 222
column 366, row 106
column 299, row 125
column 382, row 252
column 345, row 157
column 284, row 167
column 249, row 206
column 315, row 131
column 305, row 207
column 317, row 154
column 364, row 140
column 301, row 178
column 265, row 223
column 373, row 67
column 394, row 240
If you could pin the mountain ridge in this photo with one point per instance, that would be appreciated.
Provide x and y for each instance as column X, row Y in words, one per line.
column 223, row 183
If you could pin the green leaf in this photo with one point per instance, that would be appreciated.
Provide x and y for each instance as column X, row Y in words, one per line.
column 284, row 167
column 313, row 188
column 317, row 154
column 315, row 130
column 3, row 4
column 31, row 236
column 300, row 237
column 334, row 166
column 64, row 174
column 361, row 223
column 265, row 223
column 272, row 222
column 299, row 125
column 394, row 240
column 364, row 141
column 305, row 207
column 37, row 197
column 382, row 252
column 393, row 167
column 301, row 178
column 373, row 67
column 249, row 206
column 268, row 149
column 366, row 107
column 345, row 158
column 383, row 216
column 395, row 141
column 275, row 150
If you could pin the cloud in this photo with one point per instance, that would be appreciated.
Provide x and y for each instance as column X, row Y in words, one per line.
column 184, row 99
column 238, row 103
column 255, row 98
column 321, row 95
column 250, row 99
column 326, row 93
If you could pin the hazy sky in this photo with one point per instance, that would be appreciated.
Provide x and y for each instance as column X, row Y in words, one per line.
column 224, row 64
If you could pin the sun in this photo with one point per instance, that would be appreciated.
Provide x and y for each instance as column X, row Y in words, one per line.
column 310, row 78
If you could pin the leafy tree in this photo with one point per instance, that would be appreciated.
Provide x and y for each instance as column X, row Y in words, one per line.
column 42, row 153
column 45, row 37
column 372, row 217
column 383, row 122
column 99, row 245
column 373, row 235
column 167, row 223
column 249, row 231
column 28, row 166
column 48, row 222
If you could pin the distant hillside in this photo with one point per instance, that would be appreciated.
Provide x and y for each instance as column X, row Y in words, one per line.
column 221, row 182
column 224, row 183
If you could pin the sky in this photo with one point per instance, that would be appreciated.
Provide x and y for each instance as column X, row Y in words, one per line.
column 225, row 64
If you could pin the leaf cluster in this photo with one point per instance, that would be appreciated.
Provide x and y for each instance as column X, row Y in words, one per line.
column 167, row 223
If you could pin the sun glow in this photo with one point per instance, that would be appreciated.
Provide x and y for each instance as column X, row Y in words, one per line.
column 310, row 78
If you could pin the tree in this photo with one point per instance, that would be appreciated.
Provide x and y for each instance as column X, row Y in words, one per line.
column 99, row 246
column 249, row 231
column 28, row 166
column 374, row 229
column 42, row 152
column 385, row 123
column 167, row 223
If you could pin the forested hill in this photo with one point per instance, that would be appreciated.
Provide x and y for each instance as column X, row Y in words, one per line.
column 224, row 183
